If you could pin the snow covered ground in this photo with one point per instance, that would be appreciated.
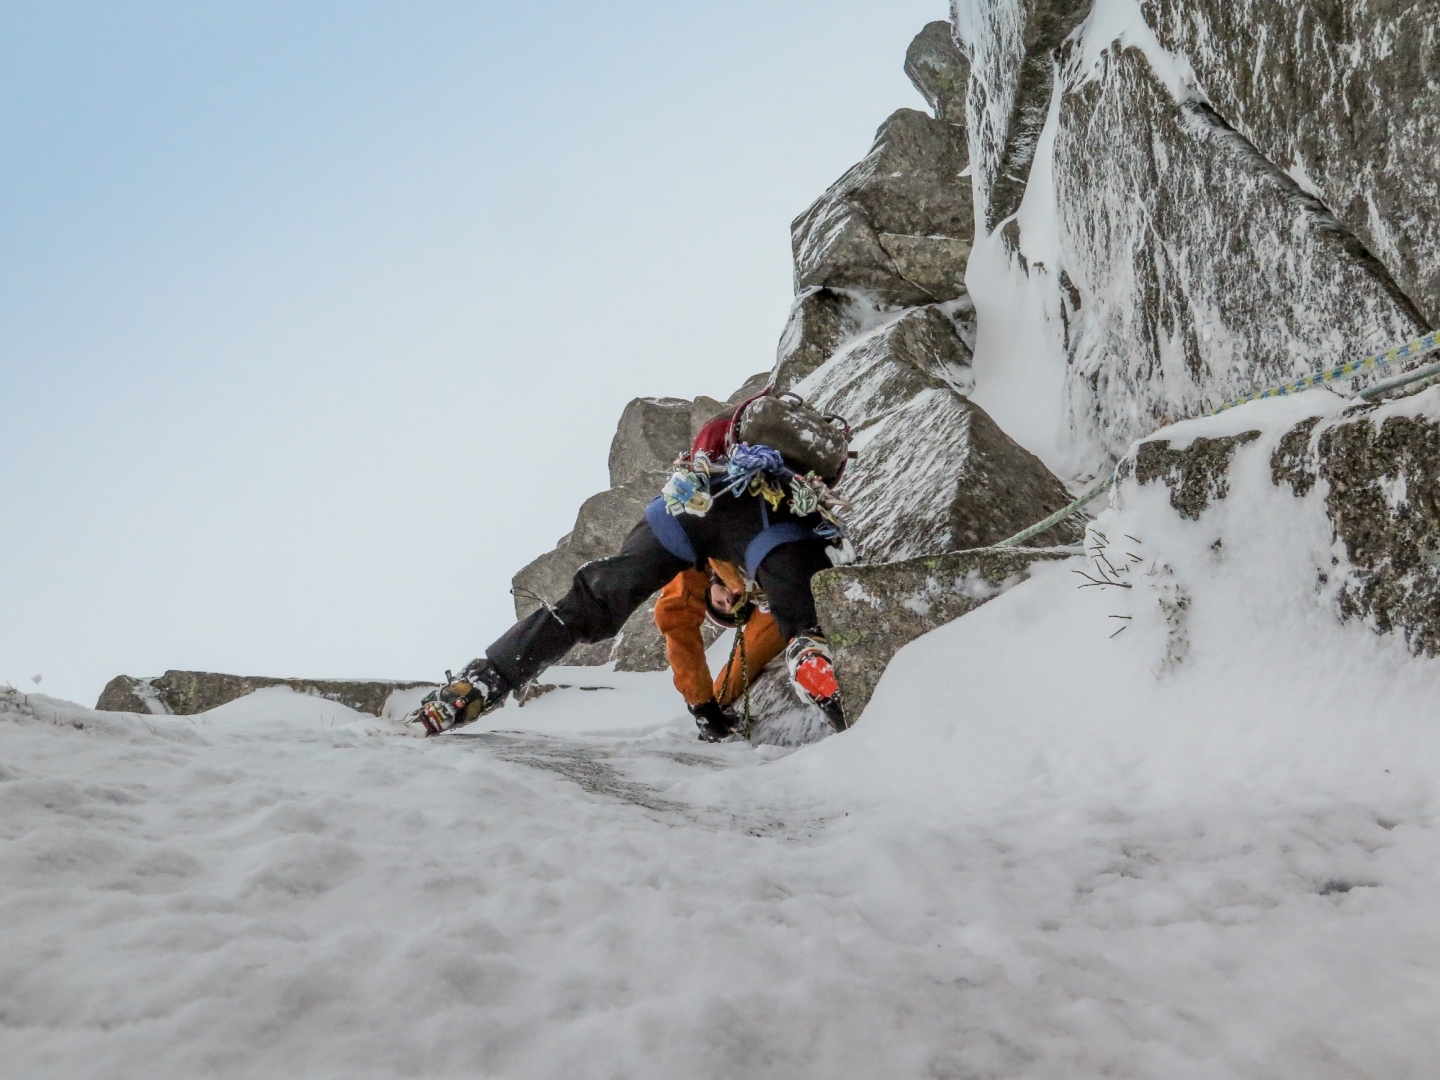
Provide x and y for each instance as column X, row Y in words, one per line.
column 1205, row 847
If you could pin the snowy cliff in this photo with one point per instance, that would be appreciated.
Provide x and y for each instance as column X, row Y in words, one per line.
column 1203, row 198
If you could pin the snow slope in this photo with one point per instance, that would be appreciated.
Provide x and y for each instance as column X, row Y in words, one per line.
column 1205, row 847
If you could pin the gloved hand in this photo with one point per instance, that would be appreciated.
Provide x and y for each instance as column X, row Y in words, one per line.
column 714, row 722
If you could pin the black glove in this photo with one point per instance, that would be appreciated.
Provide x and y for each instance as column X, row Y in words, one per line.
column 714, row 722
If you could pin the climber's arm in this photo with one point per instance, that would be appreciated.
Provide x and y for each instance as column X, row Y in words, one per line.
column 679, row 614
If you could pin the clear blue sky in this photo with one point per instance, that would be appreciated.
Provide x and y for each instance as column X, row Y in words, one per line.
column 316, row 318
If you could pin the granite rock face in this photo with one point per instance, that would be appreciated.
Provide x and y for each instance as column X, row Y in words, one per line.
column 933, row 473
column 940, row 71
column 897, row 225
column 1343, row 96
column 185, row 693
column 821, row 320
column 1198, row 271
column 869, row 613
column 649, row 432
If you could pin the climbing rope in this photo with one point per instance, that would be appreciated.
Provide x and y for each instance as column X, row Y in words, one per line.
column 1418, row 347
column 742, row 616
column 747, row 721
column 1059, row 515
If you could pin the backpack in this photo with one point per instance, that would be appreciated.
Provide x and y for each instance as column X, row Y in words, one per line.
column 806, row 439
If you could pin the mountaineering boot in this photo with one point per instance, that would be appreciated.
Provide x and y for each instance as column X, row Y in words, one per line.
column 462, row 701
column 715, row 723
column 813, row 675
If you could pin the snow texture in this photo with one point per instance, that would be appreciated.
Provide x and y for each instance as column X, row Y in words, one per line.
column 1182, row 851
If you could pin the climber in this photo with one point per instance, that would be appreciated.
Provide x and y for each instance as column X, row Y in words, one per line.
column 736, row 498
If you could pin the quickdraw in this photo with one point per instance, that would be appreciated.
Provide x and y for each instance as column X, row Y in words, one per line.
column 758, row 470
column 688, row 489
column 760, row 485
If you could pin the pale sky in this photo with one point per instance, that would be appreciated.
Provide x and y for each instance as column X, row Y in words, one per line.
column 316, row 318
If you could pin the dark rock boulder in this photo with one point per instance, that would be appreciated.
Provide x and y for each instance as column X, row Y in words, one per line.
column 940, row 71
column 125, row 693
column 869, row 613
column 185, row 693
column 899, row 223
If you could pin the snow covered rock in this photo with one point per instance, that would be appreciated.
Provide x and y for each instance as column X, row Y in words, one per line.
column 1012, row 46
column 1367, row 475
column 1196, row 269
column 1378, row 470
column 124, row 693
column 1196, row 475
column 777, row 715
column 869, row 613
column 821, row 320
column 933, row 473
column 185, row 693
column 899, row 223
column 1215, row 197
column 1345, row 98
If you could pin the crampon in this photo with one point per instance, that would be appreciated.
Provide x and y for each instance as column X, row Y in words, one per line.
column 478, row 690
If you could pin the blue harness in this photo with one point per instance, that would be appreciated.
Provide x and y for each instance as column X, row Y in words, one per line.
column 673, row 539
